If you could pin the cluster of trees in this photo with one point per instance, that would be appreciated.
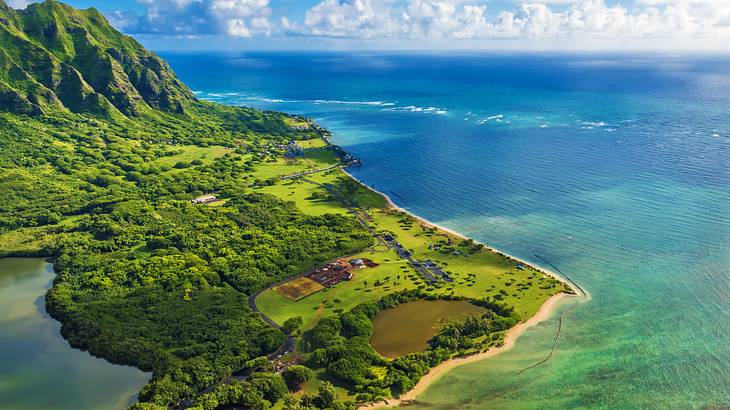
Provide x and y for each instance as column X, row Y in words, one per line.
column 458, row 336
column 341, row 345
column 148, row 279
column 261, row 391
column 162, row 286
column 145, row 277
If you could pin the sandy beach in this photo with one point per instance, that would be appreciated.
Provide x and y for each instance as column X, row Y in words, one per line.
column 576, row 289
column 510, row 339
column 512, row 334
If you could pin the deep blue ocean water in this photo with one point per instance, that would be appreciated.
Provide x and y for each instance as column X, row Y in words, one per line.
column 615, row 168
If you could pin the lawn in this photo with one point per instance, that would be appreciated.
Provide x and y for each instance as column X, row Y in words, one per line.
column 303, row 194
column 296, row 122
column 314, row 158
column 189, row 153
column 476, row 275
column 312, row 143
column 319, row 157
column 367, row 284
column 355, row 193
column 477, row 272
column 280, row 167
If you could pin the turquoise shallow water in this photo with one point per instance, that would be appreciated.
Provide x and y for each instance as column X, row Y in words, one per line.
column 616, row 168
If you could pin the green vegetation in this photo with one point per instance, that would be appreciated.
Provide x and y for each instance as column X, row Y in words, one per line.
column 296, row 375
column 477, row 272
column 369, row 284
column 509, row 290
column 341, row 345
column 102, row 150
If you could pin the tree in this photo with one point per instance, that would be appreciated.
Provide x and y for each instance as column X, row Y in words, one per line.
column 291, row 325
column 270, row 384
column 297, row 375
column 327, row 395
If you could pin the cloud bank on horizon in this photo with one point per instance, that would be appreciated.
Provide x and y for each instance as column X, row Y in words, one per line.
column 448, row 22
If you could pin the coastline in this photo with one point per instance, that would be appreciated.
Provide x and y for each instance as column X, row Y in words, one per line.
column 510, row 339
column 577, row 290
column 546, row 310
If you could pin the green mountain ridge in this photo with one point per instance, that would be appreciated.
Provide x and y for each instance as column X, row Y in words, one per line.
column 102, row 149
column 56, row 58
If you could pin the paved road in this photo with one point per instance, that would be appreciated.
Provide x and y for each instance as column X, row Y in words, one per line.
column 429, row 270
column 288, row 346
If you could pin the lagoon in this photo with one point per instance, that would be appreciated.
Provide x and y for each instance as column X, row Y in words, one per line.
column 38, row 368
column 408, row 327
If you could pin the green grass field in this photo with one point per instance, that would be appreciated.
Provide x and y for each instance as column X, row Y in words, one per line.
column 477, row 273
column 314, row 158
column 312, row 143
column 191, row 153
column 302, row 194
column 367, row 284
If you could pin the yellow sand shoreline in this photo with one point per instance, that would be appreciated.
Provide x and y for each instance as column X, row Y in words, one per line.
column 510, row 338
column 576, row 289
column 512, row 334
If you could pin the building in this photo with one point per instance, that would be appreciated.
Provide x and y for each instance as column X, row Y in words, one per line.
column 205, row 199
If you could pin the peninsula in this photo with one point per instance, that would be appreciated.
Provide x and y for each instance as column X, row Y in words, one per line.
column 225, row 249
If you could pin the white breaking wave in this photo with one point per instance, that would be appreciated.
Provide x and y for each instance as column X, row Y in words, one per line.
column 594, row 124
column 495, row 118
column 376, row 103
column 413, row 108
column 386, row 105
column 281, row 100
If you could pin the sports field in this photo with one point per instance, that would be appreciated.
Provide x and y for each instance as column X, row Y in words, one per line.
column 298, row 288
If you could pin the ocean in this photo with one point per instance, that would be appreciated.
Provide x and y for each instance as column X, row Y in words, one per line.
column 614, row 168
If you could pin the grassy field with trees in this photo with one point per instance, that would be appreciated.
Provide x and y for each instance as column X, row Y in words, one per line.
column 509, row 290
column 102, row 150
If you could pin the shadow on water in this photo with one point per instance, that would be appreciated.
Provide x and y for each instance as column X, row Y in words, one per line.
column 38, row 368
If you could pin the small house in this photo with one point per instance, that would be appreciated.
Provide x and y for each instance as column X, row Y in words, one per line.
column 205, row 199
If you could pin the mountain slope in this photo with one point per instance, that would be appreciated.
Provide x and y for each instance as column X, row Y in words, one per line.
column 57, row 58
column 101, row 150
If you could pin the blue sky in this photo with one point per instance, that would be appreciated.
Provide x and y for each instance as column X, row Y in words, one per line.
column 420, row 24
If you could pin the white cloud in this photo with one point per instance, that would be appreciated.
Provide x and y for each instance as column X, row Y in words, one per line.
column 19, row 4
column 355, row 18
column 464, row 19
column 237, row 18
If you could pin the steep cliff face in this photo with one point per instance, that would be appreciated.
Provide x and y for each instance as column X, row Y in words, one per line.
column 53, row 57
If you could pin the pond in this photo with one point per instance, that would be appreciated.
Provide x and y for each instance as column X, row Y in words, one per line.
column 407, row 327
column 38, row 368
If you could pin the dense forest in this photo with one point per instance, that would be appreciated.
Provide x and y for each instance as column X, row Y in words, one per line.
column 145, row 277
column 103, row 149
